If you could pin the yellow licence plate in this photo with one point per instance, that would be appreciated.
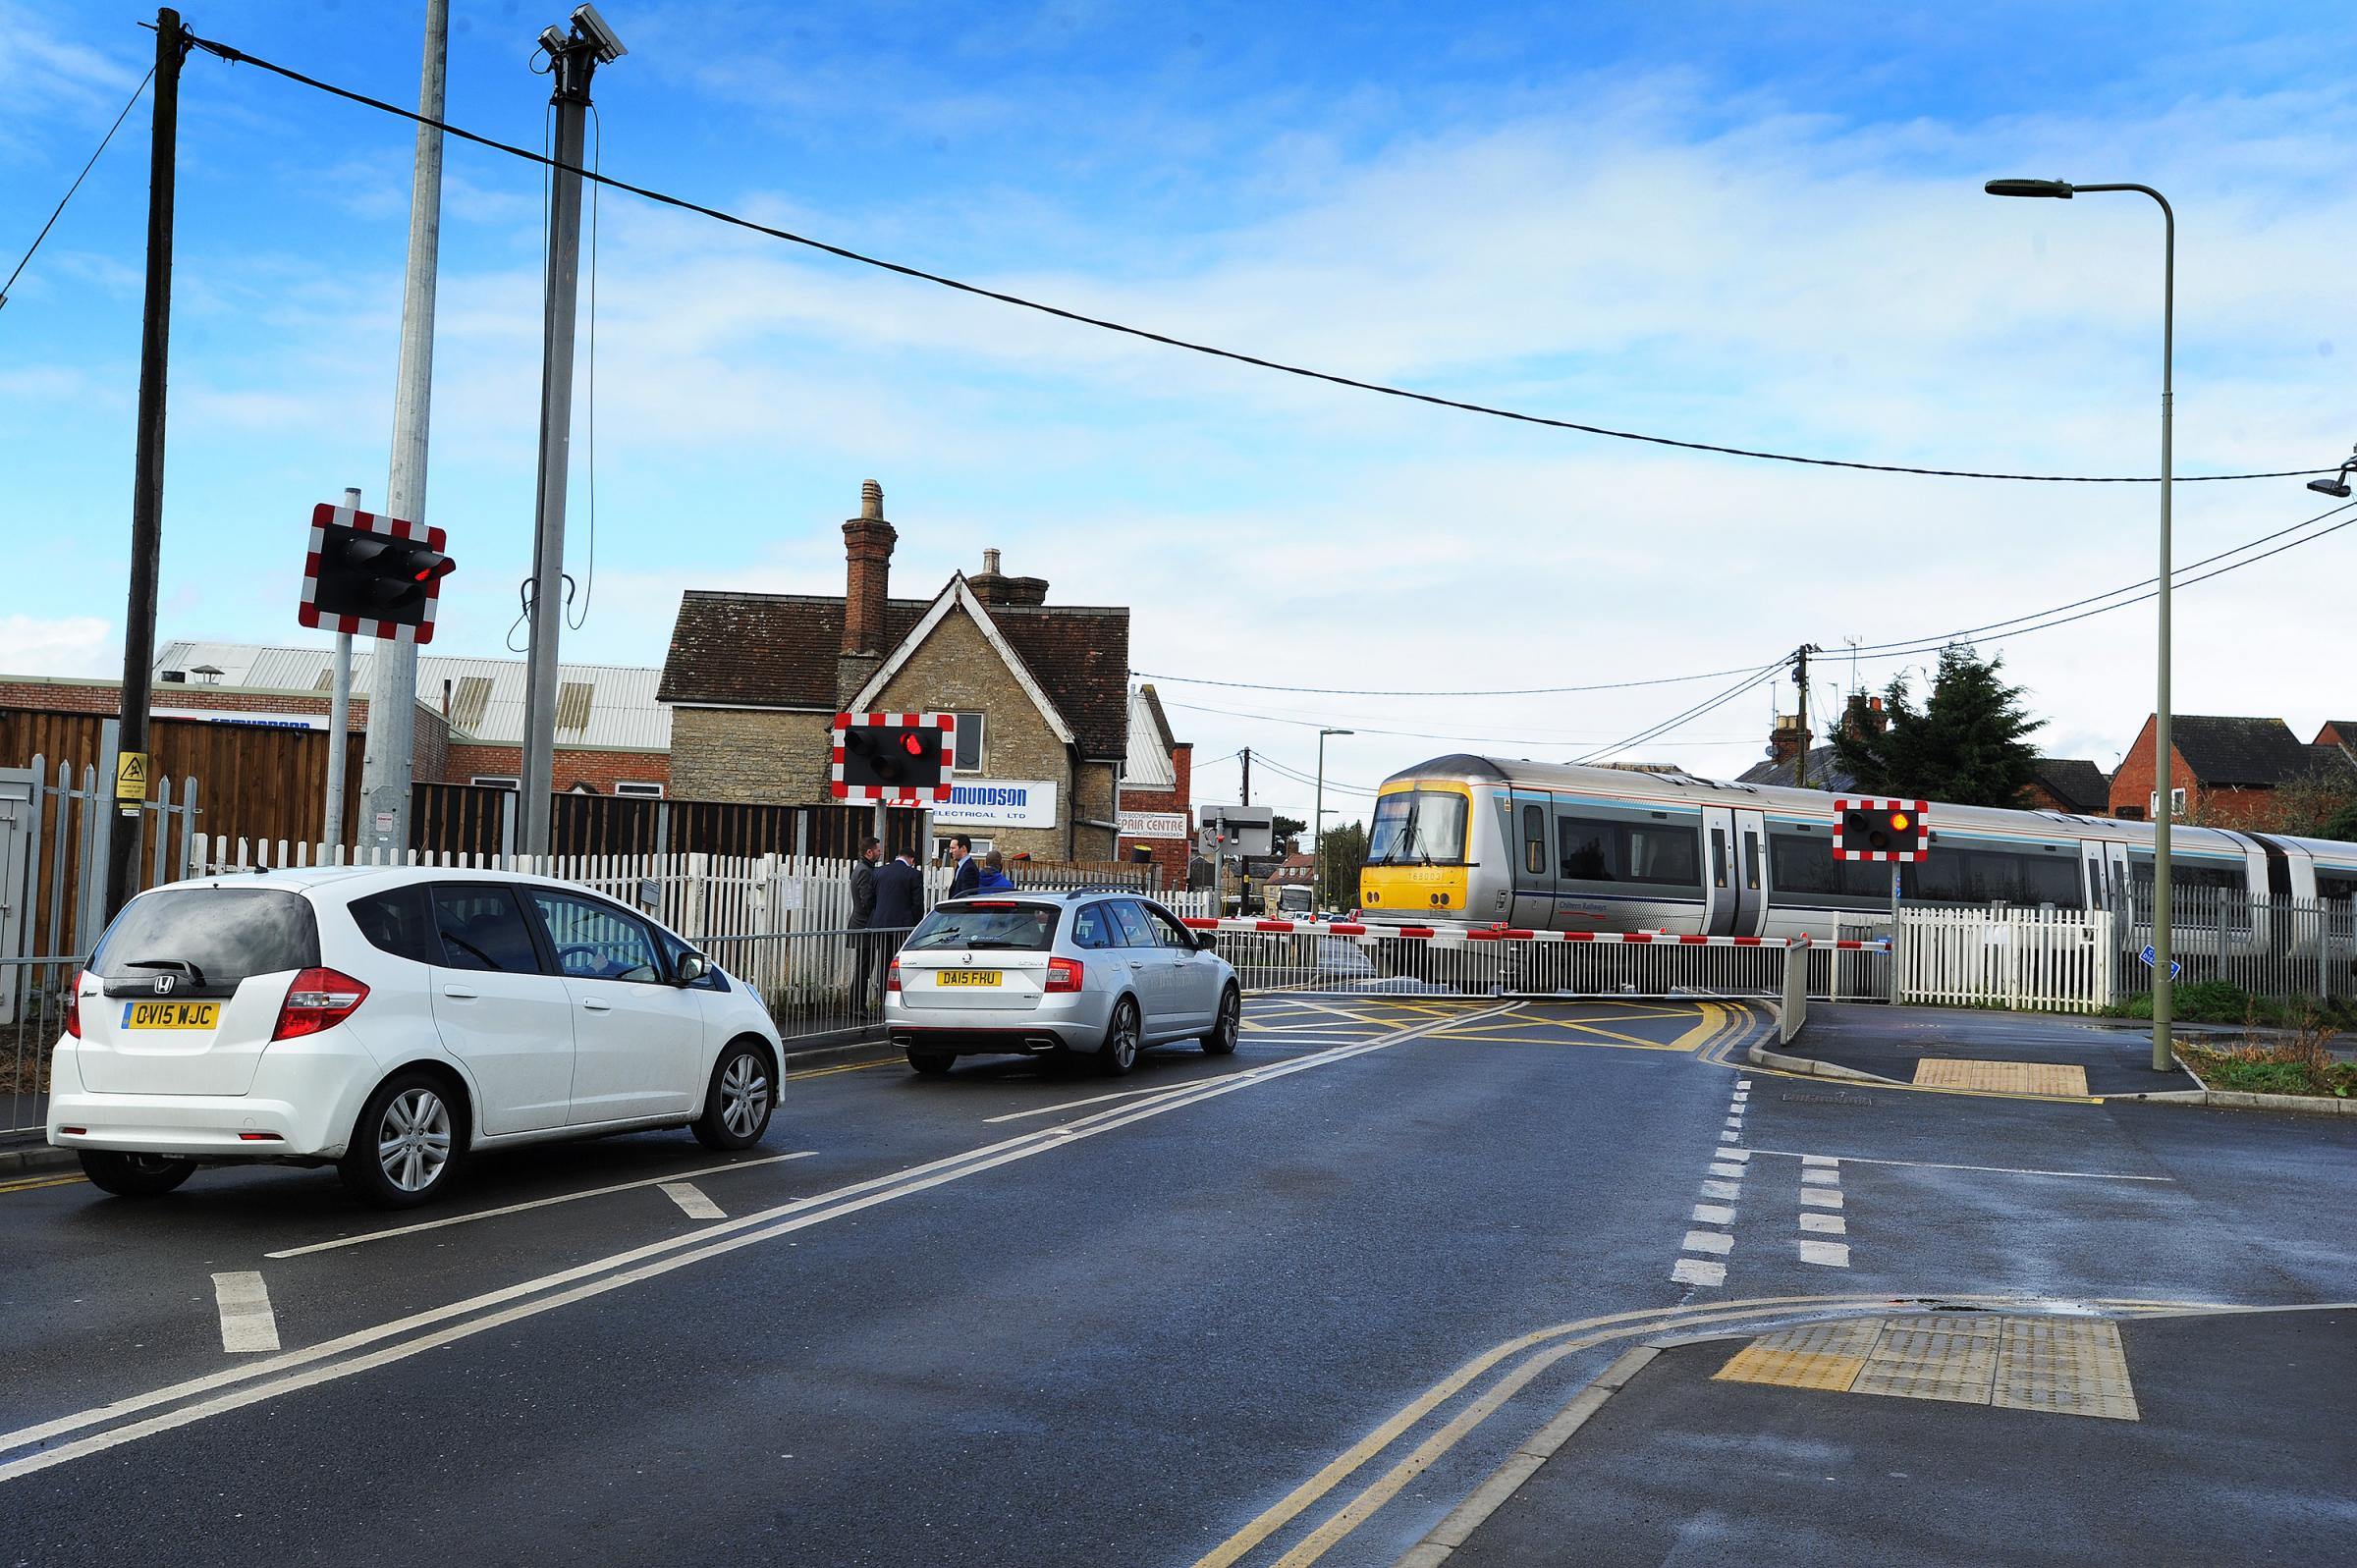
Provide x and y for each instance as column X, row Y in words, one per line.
column 968, row 977
column 171, row 1014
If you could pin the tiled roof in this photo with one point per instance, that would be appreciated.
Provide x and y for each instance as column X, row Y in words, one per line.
column 2077, row 782
column 2239, row 752
column 766, row 650
column 1824, row 772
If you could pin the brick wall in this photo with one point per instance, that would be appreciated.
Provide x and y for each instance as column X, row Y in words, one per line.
column 1171, row 854
column 570, row 766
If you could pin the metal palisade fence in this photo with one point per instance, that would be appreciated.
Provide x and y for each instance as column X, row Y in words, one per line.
column 2279, row 948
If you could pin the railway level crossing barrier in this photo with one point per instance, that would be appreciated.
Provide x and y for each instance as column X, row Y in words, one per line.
column 1321, row 959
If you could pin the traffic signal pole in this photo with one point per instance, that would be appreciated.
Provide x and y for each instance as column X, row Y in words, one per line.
column 570, row 65
column 148, row 477
column 388, row 762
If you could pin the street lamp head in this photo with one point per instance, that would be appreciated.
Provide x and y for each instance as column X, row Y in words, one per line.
column 2029, row 187
column 1337, row 731
column 2337, row 487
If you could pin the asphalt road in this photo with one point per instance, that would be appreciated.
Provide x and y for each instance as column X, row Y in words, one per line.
column 1222, row 1311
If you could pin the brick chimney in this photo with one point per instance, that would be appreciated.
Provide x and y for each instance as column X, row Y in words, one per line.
column 994, row 587
column 1787, row 740
column 867, row 542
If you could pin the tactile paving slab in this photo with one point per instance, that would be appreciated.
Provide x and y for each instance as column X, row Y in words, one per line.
column 2000, row 1077
column 2062, row 1366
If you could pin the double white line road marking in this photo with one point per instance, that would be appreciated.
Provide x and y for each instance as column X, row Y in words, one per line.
column 183, row 1404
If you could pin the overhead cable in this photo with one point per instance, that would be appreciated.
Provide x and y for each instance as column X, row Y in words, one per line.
column 239, row 57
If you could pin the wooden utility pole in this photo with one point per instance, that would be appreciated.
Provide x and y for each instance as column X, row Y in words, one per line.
column 131, row 764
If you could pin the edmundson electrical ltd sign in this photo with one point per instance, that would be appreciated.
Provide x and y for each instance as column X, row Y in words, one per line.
column 999, row 803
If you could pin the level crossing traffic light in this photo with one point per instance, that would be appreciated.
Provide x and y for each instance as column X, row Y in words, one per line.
column 372, row 576
column 1879, row 830
column 899, row 758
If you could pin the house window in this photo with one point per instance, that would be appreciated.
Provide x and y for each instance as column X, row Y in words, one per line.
column 497, row 780
column 969, row 742
column 2176, row 802
column 629, row 787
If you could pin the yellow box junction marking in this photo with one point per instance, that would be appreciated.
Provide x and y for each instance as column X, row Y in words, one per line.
column 2005, row 1077
column 2063, row 1365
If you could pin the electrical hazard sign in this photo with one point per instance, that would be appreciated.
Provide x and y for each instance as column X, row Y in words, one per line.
column 131, row 776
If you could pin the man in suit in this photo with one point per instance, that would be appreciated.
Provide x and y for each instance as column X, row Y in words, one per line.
column 899, row 899
column 864, row 916
column 968, row 873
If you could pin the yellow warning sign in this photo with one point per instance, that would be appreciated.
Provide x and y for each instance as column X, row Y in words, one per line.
column 131, row 776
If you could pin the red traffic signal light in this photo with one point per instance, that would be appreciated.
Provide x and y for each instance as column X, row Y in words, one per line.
column 899, row 757
column 1879, row 830
column 372, row 576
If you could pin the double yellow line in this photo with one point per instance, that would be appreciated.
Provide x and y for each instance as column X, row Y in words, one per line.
column 1539, row 1351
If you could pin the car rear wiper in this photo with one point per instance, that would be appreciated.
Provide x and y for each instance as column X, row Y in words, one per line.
column 1000, row 946
column 182, row 964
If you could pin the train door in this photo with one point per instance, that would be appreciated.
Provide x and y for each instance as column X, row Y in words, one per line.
column 1533, row 878
column 1722, row 879
column 2107, row 876
column 1749, row 851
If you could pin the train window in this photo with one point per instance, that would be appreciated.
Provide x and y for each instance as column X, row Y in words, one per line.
column 2335, row 883
column 1590, row 851
column 1804, row 868
column 1719, row 856
column 1437, row 833
column 1534, row 839
column 1954, row 875
column 1751, row 861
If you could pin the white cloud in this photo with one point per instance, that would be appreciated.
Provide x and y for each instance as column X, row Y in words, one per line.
column 72, row 645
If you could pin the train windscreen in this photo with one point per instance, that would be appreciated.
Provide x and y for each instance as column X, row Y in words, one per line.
column 1416, row 827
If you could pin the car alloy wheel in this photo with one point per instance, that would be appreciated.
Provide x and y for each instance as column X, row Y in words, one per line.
column 743, row 1095
column 1121, row 1041
column 413, row 1140
column 1222, row 1040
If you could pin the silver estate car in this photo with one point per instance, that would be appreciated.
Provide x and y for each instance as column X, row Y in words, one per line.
column 1086, row 973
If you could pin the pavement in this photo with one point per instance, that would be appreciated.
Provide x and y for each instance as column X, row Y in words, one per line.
column 1953, row 1438
column 1965, row 1048
column 1285, row 1307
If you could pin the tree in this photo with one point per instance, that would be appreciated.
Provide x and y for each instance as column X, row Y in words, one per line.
column 1967, row 745
column 1342, row 855
column 2313, row 806
column 1285, row 834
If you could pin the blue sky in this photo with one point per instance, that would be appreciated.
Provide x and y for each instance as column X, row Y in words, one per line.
column 1759, row 225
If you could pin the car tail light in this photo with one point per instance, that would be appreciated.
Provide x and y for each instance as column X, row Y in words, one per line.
column 1064, row 974
column 73, row 1005
column 320, row 999
column 891, row 976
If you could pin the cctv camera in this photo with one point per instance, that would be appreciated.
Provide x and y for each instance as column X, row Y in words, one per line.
column 553, row 40
column 593, row 27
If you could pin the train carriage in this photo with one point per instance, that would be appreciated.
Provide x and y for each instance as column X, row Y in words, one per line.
column 1481, row 841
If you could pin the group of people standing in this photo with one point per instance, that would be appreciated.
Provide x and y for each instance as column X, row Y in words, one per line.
column 888, row 899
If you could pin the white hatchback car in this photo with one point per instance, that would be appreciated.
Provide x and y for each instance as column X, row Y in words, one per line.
column 389, row 1021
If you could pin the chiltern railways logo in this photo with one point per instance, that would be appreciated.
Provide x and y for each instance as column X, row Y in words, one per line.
column 163, row 984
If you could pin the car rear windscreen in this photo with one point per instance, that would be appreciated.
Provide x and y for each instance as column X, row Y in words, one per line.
column 213, row 936
column 1016, row 927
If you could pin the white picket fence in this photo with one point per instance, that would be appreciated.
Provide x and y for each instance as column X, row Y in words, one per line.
column 2045, row 959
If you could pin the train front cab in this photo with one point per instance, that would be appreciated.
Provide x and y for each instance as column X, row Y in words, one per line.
column 1418, row 863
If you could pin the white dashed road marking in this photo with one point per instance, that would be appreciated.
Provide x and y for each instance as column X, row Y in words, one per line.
column 1831, row 1254
column 1698, row 1271
column 691, row 1201
column 1821, row 1185
column 246, row 1322
column 1825, row 1225
column 1714, row 1213
column 1710, row 1241
column 1821, row 1197
column 1706, row 1250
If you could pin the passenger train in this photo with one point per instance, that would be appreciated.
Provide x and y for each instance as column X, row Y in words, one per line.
column 1485, row 841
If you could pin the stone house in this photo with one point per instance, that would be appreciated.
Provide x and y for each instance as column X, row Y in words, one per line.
column 755, row 682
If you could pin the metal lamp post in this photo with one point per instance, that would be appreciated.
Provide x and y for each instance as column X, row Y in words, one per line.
column 2163, row 1057
column 1317, row 823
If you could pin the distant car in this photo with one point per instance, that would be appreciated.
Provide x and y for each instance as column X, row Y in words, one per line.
column 1096, row 974
column 391, row 1021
